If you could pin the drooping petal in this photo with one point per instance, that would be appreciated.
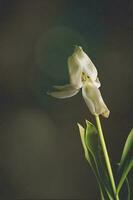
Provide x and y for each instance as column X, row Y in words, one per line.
column 85, row 63
column 61, row 87
column 94, row 100
column 65, row 91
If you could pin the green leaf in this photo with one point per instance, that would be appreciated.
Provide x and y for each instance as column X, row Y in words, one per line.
column 126, row 162
column 128, row 189
column 94, row 146
column 94, row 156
column 82, row 135
column 88, row 155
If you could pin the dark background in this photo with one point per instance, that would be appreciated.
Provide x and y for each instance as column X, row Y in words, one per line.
column 40, row 150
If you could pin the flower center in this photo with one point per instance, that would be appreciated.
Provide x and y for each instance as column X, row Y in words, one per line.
column 84, row 77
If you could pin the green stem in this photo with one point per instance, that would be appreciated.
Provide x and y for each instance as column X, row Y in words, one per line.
column 106, row 156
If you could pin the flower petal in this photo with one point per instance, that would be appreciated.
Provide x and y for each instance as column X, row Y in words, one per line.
column 61, row 87
column 75, row 71
column 97, row 83
column 65, row 91
column 94, row 100
column 85, row 62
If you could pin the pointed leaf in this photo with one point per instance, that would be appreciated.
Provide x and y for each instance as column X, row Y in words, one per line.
column 91, row 145
column 126, row 162
column 94, row 146
column 82, row 135
column 88, row 155
column 128, row 189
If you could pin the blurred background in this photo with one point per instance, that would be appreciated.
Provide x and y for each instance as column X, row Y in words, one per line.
column 41, row 156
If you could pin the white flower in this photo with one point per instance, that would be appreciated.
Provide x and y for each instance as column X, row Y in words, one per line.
column 83, row 74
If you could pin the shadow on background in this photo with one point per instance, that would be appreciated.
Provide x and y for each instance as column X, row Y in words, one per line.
column 40, row 150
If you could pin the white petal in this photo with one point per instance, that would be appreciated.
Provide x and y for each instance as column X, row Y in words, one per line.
column 75, row 71
column 61, row 87
column 65, row 91
column 86, row 63
column 94, row 100
column 97, row 82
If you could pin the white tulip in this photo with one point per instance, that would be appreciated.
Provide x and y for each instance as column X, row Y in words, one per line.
column 83, row 74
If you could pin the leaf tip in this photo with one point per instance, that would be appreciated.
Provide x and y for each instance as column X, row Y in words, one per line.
column 80, row 127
